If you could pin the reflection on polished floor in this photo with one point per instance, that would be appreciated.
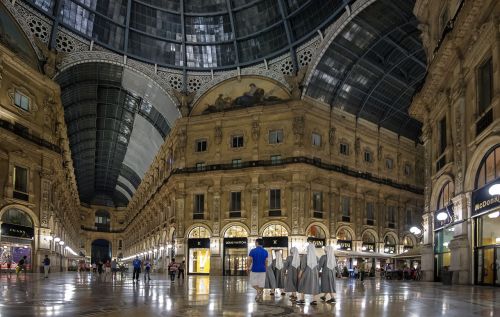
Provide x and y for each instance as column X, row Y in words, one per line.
column 72, row 294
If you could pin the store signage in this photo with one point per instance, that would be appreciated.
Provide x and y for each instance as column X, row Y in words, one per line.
column 407, row 247
column 275, row 242
column 235, row 242
column 318, row 242
column 450, row 217
column 389, row 248
column 344, row 245
column 12, row 230
column 368, row 247
column 483, row 201
column 199, row 243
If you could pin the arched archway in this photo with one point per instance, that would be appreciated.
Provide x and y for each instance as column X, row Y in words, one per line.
column 390, row 242
column 101, row 250
column 368, row 241
column 316, row 234
column 235, row 249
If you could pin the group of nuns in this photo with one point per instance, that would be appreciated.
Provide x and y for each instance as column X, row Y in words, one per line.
column 300, row 275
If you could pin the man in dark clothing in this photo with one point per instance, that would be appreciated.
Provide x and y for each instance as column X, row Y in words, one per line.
column 182, row 267
column 172, row 269
column 137, row 268
column 46, row 266
column 22, row 265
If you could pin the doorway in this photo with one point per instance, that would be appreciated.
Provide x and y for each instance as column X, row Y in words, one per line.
column 488, row 266
column 101, row 251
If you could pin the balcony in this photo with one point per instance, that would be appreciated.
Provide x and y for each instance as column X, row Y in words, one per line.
column 100, row 229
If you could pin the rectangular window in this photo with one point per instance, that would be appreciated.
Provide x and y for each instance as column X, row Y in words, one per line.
column 235, row 204
column 442, row 135
column 389, row 163
column 21, row 100
column 237, row 141
column 20, row 183
column 344, row 148
column 408, row 217
column 391, row 216
column 275, row 202
column 345, row 205
column 317, row 201
column 199, row 206
column 201, row 145
column 316, row 139
column 120, row 244
column 200, row 166
column 275, row 159
column 485, row 86
column 275, row 136
column 368, row 156
column 407, row 169
column 237, row 163
column 370, row 212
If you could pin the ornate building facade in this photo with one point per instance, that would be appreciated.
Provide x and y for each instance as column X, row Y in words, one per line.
column 284, row 171
column 39, row 204
column 459, row 105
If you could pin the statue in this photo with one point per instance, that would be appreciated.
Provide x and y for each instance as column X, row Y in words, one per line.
column 331, row 135
column 255, row 130
column 184, row 99
column 298, row 129
column 52, row 58
column 253, row 96
column 295, row 83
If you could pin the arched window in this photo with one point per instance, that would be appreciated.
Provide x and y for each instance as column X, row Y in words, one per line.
column 18, row 217
column 198, row 233
column 102, row 220
column 389, row 240
column 445, row 195
column 368, row 237
column 236, row 232
column 315, row 231
column 344, row 234
column 275, row 231
column 407, row 241
column 489, row 170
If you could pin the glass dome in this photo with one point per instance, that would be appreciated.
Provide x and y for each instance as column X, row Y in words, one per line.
column 194, row 34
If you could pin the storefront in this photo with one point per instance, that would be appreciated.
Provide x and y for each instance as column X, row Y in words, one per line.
column 443, row 229
column 317, row 236
column 344, row 243
column 486, row 219
column 276, row 239
column 17, row 238
column 235, row 251
column 389, row 244
column 199, row 251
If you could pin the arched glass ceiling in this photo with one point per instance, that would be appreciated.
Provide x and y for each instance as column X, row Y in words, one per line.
column 194, row 34
column 374, row 66
column 114, row 128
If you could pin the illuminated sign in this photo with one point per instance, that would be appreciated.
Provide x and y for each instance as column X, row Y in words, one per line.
column 344, row 245
column 199, row 243
column 235, row 242
column 12, row 230
column 368, row 247
column 276, row 242
column 318, row 243
column 483, row 201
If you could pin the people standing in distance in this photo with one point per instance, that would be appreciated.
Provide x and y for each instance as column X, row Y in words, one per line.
column 362, row 269
column 309, row 275
column 114, row 268
column 147, row 270
column 270, row 279
column 9, row 264
column 182, row 268
column 137, row 269
column 328, row 267
column 46, row 266
column 292, row 265
column 256, row 264
column 172, row 269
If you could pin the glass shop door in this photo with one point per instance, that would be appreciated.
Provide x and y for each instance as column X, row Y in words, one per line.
column 488, row 266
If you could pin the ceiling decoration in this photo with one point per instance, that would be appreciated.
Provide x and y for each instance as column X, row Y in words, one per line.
column 114, row 130
column 374, row 66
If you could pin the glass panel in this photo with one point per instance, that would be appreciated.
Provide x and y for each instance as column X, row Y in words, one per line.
column 263, row 44
column 488, row 229
column 485, row 85
column 155, row 22
column 488, row 266
column 17, row 217
column 497, row 164
column 236, row 232
column 497, row 266
column 206, row 29
column 210, row 56
column 481, row 177
column 344, row 235
column 204, row 6
column 275, row 231
column 199, row 232
column 199, row 261
column 156, row 50
column 316, row 232
column 490, row 167
column 256, row 17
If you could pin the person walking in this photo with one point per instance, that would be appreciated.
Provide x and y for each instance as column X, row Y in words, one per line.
column 9, row 264
column 21, row 265
column 256, row 264
column 114, row 268
column 46, row 266
column 328, row 267
column 182, row 268
column 147, row 270
column 94, row 268
column 270, row 279
column 309, row 275
column 279, row 272
column 362, row 269
column 137, row 269
column 172, row 269
column 291, row 267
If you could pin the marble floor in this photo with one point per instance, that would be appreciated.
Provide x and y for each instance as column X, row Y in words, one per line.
column 74, row 294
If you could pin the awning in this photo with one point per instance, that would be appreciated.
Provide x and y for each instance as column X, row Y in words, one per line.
column 356, row 254
column 411, row 254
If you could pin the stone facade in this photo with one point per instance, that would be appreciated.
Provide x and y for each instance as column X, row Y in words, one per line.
column 322, row 151
column 34, row 139
column 459, row 37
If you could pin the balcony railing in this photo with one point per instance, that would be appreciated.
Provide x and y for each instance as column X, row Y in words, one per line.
column 26, row 135
column 97, row 229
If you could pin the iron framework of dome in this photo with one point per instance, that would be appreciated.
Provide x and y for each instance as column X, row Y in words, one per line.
column 194, row 34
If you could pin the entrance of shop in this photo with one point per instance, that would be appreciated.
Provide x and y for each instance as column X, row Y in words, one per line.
column 488, row 266
column 235, row 256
